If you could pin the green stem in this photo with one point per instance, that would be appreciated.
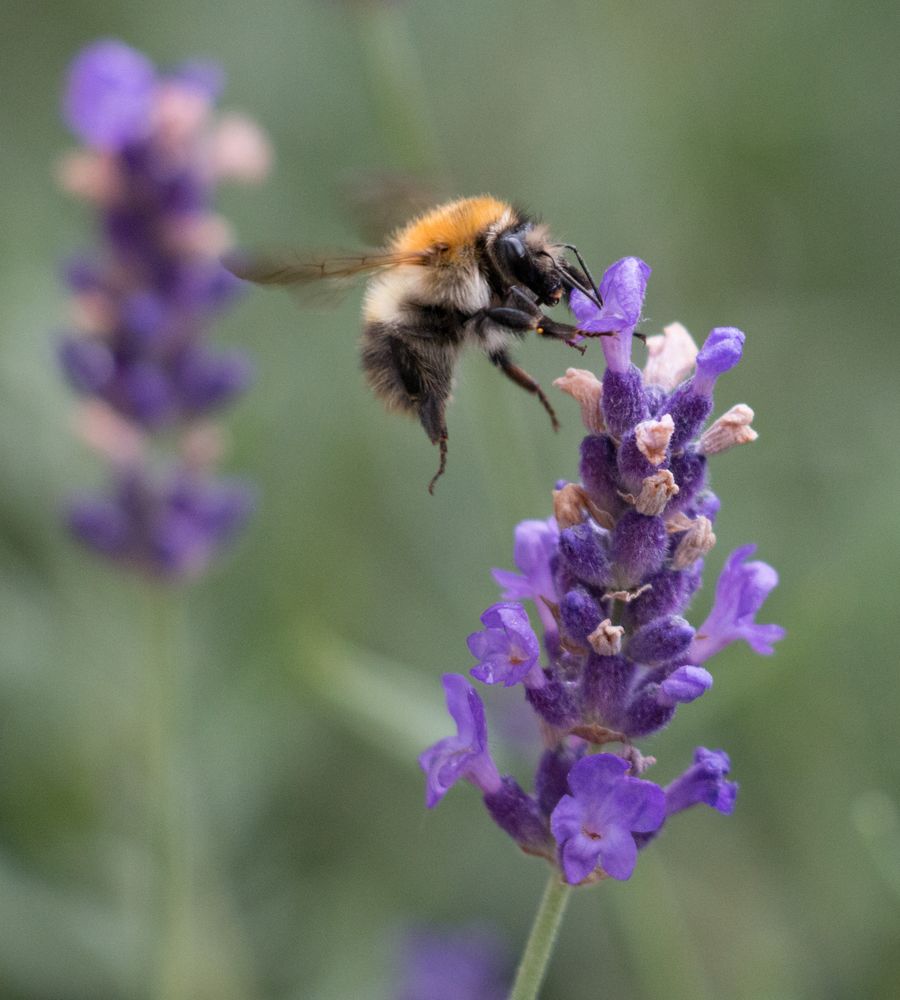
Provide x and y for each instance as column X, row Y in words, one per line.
column 167, row 793
column 537, row 952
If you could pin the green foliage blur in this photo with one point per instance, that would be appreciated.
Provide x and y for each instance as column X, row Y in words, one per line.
column 748, row 152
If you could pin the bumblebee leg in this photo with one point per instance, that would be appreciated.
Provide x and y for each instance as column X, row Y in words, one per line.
column 518, row 375
column 442, row 442
column 510, row 317
column 431, row 414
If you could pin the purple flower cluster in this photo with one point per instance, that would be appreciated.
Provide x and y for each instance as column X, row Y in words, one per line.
column 142, row 301
column 467, row 963
column 610, row 577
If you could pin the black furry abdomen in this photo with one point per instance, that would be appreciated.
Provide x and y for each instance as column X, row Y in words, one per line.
column 390, row 368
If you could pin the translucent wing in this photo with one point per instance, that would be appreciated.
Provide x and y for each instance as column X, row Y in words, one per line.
column 296, row 269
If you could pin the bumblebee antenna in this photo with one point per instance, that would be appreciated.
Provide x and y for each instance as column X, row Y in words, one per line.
column 584, row 267
column 572, row 283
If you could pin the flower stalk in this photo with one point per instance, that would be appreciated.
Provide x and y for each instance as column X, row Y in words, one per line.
column 544, row 930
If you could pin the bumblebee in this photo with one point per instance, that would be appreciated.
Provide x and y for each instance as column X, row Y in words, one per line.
column 475, row 271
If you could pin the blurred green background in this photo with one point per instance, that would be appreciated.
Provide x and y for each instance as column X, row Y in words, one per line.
column 749, row 153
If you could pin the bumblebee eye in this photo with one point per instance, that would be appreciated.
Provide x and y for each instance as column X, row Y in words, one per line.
column 511, row 249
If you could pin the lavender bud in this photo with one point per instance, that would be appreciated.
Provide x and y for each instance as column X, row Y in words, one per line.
column 580, row 614
column 550, row 781
column 690, row 411
column 553, row 702
column 583, row 549
column 669, row 594
column 660, row 641
column 689, row 470
column 605, row 685
column 638, row 548
column 599, row 472
column 624, row 404
column 519, row 815
column 645, row 714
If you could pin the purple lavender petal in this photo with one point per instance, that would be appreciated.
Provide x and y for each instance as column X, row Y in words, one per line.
column 622, row 291
column 464, row 755
column 109, row 95
column 740, row 593
column 535, row 546
column 507, row 648
column 595, row 823
column 721, row 351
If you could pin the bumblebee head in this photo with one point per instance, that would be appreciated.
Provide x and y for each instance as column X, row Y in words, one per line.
column 525, row 254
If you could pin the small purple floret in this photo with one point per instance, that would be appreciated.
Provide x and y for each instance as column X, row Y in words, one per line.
column 622, row 291
column 534, row 546
column 594, row 825
column 721, row 351
column 740, row 593
column 703, row 782
column 507, row 648
column 465, row 755
column 109, row 95
column 684, row 685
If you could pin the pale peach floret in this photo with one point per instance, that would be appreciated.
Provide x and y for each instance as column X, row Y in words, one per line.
column 89, row 175
column 570, row 504
column 93, row 312
column 179, row 112
column 698, row 540
column 584, row 387
column 606, row 639
column 203, row 234
column 670, row 357
column 240, row 150
column 653, row 437
column 732, row 428
column 101, row 428
column 656, row 492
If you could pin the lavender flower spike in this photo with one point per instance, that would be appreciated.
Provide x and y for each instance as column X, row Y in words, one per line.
column 464, row 755
column 612, row 577
column 740, row 593
column 594, row 825
column 507, row 650
column 143, row 300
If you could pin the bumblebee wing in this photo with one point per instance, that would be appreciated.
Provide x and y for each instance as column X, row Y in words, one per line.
column 296, row 269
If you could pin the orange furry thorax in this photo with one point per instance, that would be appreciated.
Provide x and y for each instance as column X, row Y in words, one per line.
column 455, row 224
